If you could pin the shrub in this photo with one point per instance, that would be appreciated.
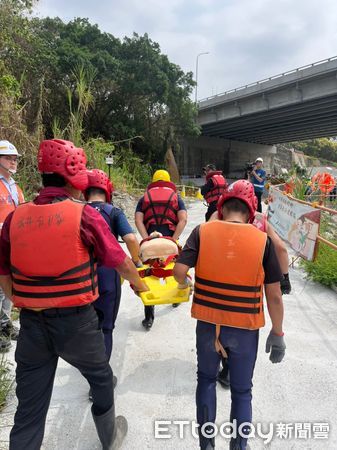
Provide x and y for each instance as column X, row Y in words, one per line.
column 323, row 269
column 128, row 170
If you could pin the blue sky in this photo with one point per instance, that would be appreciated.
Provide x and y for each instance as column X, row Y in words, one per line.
column 247, row 40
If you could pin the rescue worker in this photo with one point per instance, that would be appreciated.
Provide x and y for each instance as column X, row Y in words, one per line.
column 98, row 194
column 160, row 209
column 10, row 196
column 48, row 253
column 213, row 189
column 262, row 224
column 258, row 178
column 228, row 304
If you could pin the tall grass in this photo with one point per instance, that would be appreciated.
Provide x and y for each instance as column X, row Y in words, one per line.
column 80, row 98
column 84, row 98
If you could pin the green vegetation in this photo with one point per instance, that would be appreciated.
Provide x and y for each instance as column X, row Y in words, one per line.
column 324, row 149
column 297, row 182
column 323, row 269
column 128, row 170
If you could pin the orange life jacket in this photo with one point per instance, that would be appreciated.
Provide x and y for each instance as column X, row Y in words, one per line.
column 7, row 204
column 160, row 205
column 219, row 184
column 229, row 275
column 50, row 265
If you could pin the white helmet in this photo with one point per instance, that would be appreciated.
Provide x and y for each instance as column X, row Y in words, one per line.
column 6, row 148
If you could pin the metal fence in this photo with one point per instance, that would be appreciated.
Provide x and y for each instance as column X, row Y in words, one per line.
column 274, row 77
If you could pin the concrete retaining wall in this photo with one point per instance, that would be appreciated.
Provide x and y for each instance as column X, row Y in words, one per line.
column 228, row 156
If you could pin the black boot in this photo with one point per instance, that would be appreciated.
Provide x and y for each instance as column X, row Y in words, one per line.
column 149, row 317
column 111, row 430
column 223, row 375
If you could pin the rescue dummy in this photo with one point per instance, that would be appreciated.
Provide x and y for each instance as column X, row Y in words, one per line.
column 158, row 253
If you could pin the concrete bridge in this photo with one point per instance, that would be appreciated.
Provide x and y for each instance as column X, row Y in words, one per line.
column 243, row 123
column 296, row 105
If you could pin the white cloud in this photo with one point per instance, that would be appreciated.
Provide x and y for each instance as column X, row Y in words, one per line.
column 247, row 40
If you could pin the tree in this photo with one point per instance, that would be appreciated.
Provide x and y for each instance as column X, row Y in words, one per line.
column 156, row 92
column 136, row 90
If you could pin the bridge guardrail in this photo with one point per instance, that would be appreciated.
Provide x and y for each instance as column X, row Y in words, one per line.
column 264, row 80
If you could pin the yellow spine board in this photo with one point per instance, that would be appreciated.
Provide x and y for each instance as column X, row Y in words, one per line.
column 163, row 291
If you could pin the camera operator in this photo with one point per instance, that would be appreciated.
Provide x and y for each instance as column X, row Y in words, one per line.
column 258, row 178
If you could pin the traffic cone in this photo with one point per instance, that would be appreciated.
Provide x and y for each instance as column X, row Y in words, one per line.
column 199, row 196
column 183, row 192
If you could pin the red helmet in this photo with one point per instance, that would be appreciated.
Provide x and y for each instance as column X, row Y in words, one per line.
column 99, row 179
column 243, row 190
column 62, row 157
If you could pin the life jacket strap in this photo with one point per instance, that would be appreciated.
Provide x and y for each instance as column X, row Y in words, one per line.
column 218, row 346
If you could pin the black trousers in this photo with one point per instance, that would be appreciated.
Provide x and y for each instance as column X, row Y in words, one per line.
column 210, row 210
column 72, row 334
column 259, row 197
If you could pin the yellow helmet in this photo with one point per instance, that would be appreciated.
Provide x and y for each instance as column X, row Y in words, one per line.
column 161, row 175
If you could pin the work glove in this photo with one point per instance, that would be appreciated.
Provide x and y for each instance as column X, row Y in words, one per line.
column 285, row 284
column 277, row 346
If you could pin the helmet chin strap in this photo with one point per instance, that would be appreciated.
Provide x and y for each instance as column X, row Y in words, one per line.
column 11, row 171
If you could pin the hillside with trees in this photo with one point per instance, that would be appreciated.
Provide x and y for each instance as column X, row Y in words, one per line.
column 323, row 148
